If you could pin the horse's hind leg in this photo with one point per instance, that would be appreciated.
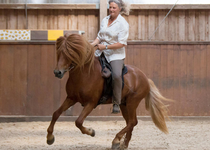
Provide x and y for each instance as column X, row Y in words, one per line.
column 66, row 104
column 130, row 113
column 129, row 133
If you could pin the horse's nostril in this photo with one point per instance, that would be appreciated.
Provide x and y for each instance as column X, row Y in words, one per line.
column 57, row 72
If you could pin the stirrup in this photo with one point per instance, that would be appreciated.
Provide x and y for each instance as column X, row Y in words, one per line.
column 116, row 109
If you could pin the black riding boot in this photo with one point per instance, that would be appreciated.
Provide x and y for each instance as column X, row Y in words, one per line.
column 116, row 109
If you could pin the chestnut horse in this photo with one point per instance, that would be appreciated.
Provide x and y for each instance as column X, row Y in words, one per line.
column 85, row 85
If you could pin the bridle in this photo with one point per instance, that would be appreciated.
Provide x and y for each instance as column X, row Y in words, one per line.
column 71, row 67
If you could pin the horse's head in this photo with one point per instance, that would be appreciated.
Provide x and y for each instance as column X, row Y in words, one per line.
column 63, row 65
column 72, row 51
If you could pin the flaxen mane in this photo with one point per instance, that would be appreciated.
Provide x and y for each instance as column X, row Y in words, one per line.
column 76, row 49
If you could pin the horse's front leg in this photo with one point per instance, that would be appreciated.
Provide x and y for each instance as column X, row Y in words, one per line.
column 85, row 112
column 66, row 104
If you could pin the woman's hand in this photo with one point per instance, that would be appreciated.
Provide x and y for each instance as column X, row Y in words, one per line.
column 101, row 47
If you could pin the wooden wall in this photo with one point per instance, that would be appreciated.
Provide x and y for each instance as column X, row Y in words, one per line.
column 28, row 85
column 180, row 71
column 84, row 20
column 180, row 25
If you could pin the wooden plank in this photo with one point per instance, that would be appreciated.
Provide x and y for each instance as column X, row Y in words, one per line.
column 129, row 55
column 34, row 103
column 170, row 72
column 183, row 80
column 146, row 32
column 163, row 72
column 20, row 80
column 94, row 6
column 7, row 80
column 72, row 19
column 47, row 79
column 207, row 16
column 197, row 36
column 1, row 88
column 208, row 78
column 169, row 6
column 61, row 19
column 156, row 24
column 157, row 64
column 162, row 29
column 3, row 19
column 52, row 19
column 203, row 102
column 82, row 21
column 32, row 19
column 177, row 87
column 12, row 19
column 92, row 25
column 141, row 25
column 194, row 96
column 202, row 25
column 208, row 20
column 144, row 59
column 191, row 26
column 172, row 26
column 48, row 6
column 181, row 26
column 151, row 23
column 168, row 43
column 133, row 25
column 136, row 56
column 42, row 19
column 21, row 19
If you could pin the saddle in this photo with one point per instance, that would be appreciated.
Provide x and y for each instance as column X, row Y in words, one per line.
column 106, row 73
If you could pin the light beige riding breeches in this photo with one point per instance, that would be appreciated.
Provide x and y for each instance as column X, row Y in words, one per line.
column 117, row 66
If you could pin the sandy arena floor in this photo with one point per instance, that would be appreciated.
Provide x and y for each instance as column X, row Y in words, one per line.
column 184, row 135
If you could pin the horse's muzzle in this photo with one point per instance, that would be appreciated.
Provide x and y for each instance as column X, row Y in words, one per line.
column 59, row 74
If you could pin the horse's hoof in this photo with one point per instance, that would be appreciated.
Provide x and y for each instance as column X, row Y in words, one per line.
column 50, row 142
column 116, row 146
column 93, row 133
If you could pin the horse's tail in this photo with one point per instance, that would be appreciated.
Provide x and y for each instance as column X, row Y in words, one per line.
column 158, row 110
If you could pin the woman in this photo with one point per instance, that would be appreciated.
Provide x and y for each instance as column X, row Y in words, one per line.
column 111, row 41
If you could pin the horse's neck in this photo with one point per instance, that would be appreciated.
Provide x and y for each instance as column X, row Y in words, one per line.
column 86, row 71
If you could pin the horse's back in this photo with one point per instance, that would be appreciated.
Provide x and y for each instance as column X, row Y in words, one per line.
column 135, row 82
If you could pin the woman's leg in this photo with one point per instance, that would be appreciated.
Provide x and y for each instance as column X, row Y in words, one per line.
column 117, row 66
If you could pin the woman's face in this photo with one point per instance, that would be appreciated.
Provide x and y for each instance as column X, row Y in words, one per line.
column 114, row 10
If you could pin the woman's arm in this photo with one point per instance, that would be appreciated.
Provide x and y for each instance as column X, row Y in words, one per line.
column 95, row 42
column 112, row 46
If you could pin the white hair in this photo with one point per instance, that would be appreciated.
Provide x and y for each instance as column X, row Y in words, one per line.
column 124, row 5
